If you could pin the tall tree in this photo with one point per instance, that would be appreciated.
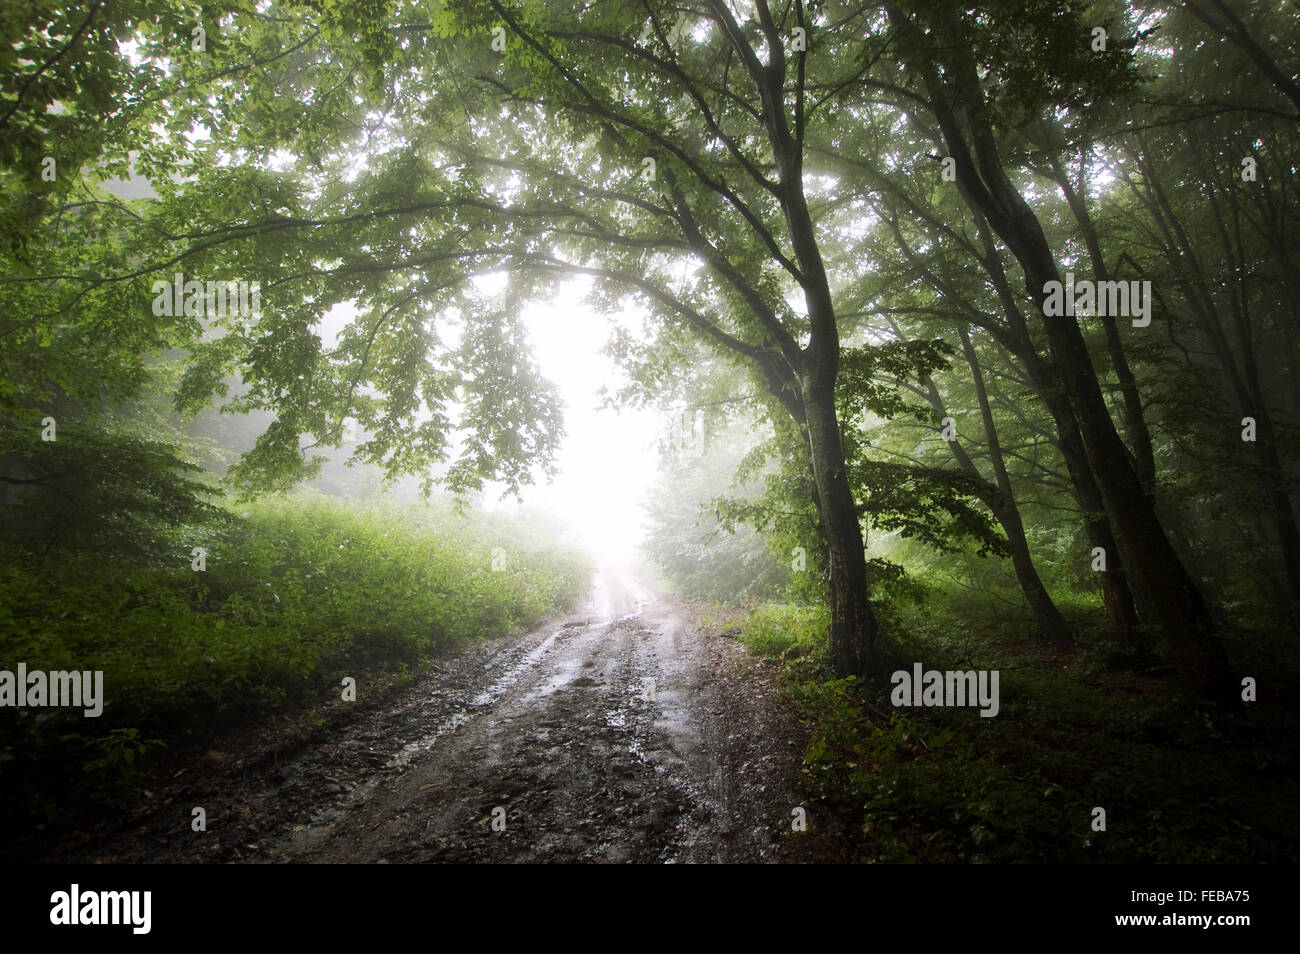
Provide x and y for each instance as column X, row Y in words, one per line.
column 941, row 45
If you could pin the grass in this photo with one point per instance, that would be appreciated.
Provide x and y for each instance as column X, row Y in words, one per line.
column 1178, row 783
column 301, row 592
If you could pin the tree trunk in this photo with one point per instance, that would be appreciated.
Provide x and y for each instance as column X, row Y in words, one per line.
column 853, row 624
column 1051, row 624
column 1135, row 425
column 1116, row 593
column 1184, row 617
column 1116, row 590
column 1239, row 365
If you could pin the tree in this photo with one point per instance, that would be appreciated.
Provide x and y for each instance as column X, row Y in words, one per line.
column 943, row 54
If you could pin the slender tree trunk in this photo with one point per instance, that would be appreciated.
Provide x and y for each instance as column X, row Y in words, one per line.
column 1051, row 623
column 1266, row 451
column 1239, row 365
column 1117, row 592
column 1135, row 425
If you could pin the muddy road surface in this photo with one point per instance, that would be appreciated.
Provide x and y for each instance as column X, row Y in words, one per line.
column 620, row 733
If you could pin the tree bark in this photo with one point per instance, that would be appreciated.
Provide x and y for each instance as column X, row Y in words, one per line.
column 853, row 625
column 1186, row 621
column 1116, row 593
column 1118, row 598
column 1135, row 426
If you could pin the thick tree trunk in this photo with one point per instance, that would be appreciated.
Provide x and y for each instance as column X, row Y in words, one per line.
column 1184, row 617
column 1116, row 592
column 1183, row 614
column 853, row 624
column 1176, row 599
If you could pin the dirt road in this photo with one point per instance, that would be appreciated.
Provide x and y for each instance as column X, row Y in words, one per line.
column 617, row 734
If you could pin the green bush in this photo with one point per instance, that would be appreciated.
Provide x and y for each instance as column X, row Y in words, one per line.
column 774, row 629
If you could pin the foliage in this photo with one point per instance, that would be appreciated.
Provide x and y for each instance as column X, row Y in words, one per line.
column 110, row 493
column 816, row 236
column 784, row 629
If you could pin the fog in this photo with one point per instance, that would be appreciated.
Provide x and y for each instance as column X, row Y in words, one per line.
column 608, row 458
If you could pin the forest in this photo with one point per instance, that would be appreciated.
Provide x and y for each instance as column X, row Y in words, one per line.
column 969, row 334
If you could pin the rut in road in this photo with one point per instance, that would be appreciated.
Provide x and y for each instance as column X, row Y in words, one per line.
column 620, row 733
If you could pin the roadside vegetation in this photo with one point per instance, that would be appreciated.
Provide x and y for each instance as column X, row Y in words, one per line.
column 944, row 785
column 291, row 594
column 1083, row 723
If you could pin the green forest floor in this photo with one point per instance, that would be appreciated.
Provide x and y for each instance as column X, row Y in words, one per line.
column 1178, row 782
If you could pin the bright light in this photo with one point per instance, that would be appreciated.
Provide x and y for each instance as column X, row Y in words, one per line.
column 608, row 458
